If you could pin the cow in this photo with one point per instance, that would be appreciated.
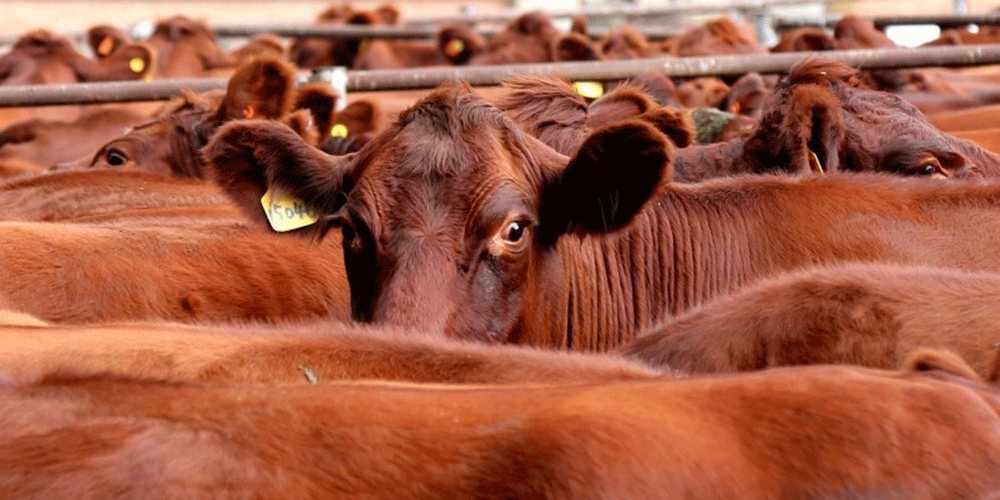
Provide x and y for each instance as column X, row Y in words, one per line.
column 805, row 432
column 870, row 315
column 302, row 352
column 530, row 38
column 262, row 87
column 318, row 52
column 716, row 37
column 818, row 120
column 455, row 219
column 187, row 48
column 176, row 267
column 40, row 57
column 46, row 143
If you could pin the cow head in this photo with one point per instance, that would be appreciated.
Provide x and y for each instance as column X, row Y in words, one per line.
column 260, row 88
column 452, row 215
column 718, row 37
column 318, row 52
column 527, row 39
column 42, row 57
column 819, row 119
column 808, row 39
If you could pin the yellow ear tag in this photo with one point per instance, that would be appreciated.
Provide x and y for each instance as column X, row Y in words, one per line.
column 364, row 45
column 338, row 130
column 137, row 65
column 104, row 48
column 454, row 47
column 590, row 90
column 285, row 212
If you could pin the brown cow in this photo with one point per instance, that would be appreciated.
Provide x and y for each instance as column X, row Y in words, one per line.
column 316, row 52
column 40, row 57
column 50, row 142
column 320, row 352
column 180, row 268
column 819, row 120
column 454, row 218
column 262, row 87
column 871, row 315
column 528, row 39
column 815, row 432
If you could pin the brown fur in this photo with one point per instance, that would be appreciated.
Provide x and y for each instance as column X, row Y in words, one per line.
column 472, row 43
column 553, row 112
column 187, row 48
column 183, row 269
column 808, row 39
column 627, row 43
column 61, row 196
column 527, row 39
column 717, row 37
column 693, row 243
column 280, row 354
column 870, row 315
column 317, row 52
column 823, row 432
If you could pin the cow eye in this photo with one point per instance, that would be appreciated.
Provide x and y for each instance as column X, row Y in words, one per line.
column 514, row 231
column 927, row 169
column 115, row 157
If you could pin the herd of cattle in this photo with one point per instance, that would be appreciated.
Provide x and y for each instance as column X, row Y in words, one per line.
column 511, row 293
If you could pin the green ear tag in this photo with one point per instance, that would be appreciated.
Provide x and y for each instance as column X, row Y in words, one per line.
column 286, row 212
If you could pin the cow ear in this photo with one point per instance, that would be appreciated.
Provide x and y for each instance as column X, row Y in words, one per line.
column 261, row 87
column 248, row 157
column 105, row 39
column 674, row 123
column 575, row 47
column 459, row 43
column 361, row 116
column 579, row 25
column 320, row 101
column 605, row 185
column 813, row 129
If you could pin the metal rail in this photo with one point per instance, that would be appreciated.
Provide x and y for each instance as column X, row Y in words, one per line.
column 943, row 21
column 626, row 11
column 424, row 78
column 381, row 32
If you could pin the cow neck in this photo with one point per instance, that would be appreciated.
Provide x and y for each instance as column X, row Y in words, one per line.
column 679, row 252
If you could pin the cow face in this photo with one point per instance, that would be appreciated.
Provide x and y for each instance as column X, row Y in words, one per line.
column 818, row 119
column 450, row 218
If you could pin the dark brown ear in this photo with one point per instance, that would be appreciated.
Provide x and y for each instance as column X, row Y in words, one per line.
column 246, row 157
column 320, row 101
column 605, row 185
column 811, row 41
column 575, row 47
column 802, row 135
column 674, row 123
column 261, row 87
column 579, row 25
column 459, row 43
column 359, row 117
column 105, row 39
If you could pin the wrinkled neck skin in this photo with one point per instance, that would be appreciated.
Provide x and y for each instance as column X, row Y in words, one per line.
column 595, row 293
column 700, row 162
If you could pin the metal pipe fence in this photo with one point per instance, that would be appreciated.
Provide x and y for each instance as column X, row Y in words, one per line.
column 424, row 78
